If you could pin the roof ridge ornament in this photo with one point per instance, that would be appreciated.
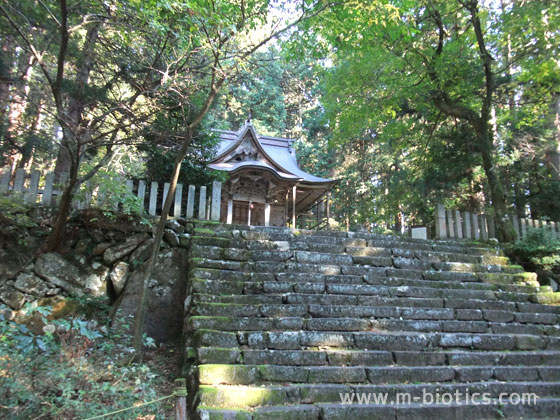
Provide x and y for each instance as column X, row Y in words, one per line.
column 249, row 116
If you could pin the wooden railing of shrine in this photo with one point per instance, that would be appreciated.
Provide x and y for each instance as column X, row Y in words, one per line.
column 459, row 225
column 38, row 189
column 317, row 216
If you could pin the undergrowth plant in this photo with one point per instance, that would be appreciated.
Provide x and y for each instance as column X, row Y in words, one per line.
column 540, row 252
column 76, row 368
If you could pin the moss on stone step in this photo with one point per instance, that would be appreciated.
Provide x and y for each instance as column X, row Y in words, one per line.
column 203, row 231
column 240, row 396
column 550, row 298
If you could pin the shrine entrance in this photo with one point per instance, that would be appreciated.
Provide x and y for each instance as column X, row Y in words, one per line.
column 248, row 213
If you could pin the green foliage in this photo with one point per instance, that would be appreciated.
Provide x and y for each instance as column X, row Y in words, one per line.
column 541, row 250
column 160, row 156
column 396, row 151
column 14, row 213
column 112, row 194
column 258, row 88
column 76, row 369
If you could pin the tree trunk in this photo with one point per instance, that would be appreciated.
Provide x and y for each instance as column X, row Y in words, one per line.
column 72, row 130
column 68, row 159
column 31, row 139
column 6, row 57
column 19, row 100
column 57, row 234
column 553, row 154
column 497, row 194
column 140, row 314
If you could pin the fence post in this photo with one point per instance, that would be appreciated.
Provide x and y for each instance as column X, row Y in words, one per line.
column 458, row 224
column 141, row 191
column 491, row 227
column 450, row 227
column 178, row 199
column 153, row 198
column 553, row 228
column 46, row 199
column 129, row 183
column 216, row 201
column 202, row 203
column 31, row 194
column 5, row 180
column 483, row 227
column 523, row 222
column 165, row 192
column 18, row 181
column 476, row 231
column 181, row 401
column 190, row 201
column 467, row 223
column 441, row 229
column 515, row 222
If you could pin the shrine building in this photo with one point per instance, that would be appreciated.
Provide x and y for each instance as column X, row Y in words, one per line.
column 266, row 187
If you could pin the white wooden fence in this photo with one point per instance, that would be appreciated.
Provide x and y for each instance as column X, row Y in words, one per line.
column 456, row 224
column 35, row 189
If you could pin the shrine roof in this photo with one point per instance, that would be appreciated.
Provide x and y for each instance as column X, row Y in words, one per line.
column 245, row 148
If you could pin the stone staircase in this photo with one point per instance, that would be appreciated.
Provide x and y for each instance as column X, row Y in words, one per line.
column 324, row 326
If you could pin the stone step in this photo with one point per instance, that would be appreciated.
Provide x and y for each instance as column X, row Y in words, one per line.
column 211, row 355
column 371, row 312
column 355, row 247
column 378, row 278
column 244, row 271
column 279, row 323
column 544, row 408
column 224, row 287
column 281, row 233
column 379, row 257
column 234, row 374
column 370, row 340
column 255, row 396
column 224, row 323
column 465, row 307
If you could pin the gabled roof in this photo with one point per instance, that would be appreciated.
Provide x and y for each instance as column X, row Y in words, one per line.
column 246, row 149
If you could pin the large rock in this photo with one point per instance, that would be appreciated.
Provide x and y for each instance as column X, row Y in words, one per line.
column 94, row 281
column 32, row 284
column 119, row 275
column 166, row 294
column 63, row 273
column 59, row 271
column 119, row 251
column 141, row 254
column 12, row 297
column 171, row 237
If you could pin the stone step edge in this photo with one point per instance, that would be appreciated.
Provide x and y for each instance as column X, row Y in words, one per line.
column 371, row 280
column 417, row 313
column 316, row 257
column 265, row 374
column 391, row 250
column 213, row 355
column 490, row 277
column 388, row 411
column 445, row 302
column 358, row 290
column 368, row 325
column 266, row 233
column 416, row 341
column 383, row 387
